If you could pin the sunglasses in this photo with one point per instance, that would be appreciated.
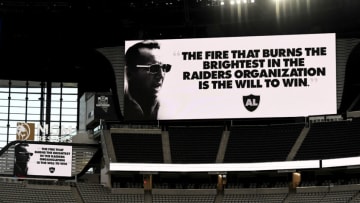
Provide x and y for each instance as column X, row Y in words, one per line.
column 25, row 153
column 155, row 68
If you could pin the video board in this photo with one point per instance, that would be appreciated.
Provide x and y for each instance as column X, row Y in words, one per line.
column 42, row 160
column 234, row 77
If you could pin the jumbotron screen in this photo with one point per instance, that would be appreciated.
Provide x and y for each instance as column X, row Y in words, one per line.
column 42, row 160
column 235, row 77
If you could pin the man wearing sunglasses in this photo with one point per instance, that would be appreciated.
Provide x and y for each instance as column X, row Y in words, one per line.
column 22, row 157
column 145, row 75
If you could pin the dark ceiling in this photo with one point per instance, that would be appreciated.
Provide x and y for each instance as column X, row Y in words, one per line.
column 50, row 40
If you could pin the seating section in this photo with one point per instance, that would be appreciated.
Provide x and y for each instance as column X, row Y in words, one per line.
column 307, row 197
column 261, row 143
column 194, row 144
column 265, row 198
column 326, row 140
column 138, row 148
column 183, row 198
column 243, row 183
column 355, row 199
column 323, row 197
column 19, row 192
column 95, row 193
column 339, row 196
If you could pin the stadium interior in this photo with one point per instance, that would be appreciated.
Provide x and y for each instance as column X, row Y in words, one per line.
column 79, row 44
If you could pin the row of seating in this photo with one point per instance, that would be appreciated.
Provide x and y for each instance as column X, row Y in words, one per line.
column 252, row 143
column 336, row 139
column 20, row 192
column 97, row 193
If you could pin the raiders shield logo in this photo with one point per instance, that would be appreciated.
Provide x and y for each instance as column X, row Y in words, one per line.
column 103, row 102
column 52, row 169
column 251, row 102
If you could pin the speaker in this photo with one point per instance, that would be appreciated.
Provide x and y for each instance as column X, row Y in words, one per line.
column 296, row 179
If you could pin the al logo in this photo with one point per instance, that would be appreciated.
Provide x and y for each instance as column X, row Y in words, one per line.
column 251, row 102
column 103, row 102
column 52, row 169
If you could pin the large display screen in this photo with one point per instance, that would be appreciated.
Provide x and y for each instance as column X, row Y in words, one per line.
column 231, row 77
column 42, row 160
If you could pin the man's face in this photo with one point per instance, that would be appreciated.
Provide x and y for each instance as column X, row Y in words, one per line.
column 22, row 155
column 145, row 82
